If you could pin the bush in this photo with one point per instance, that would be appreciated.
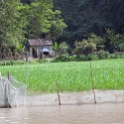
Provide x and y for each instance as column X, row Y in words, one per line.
column 116, row 55
column 2, row 63
column 63, row 47
column 122, row 55
column 72, row 58
column 20, row 62
column 103, row 54
column 81, row 58
column 84, row 47
column 12, row 62
column 43, row 60
column 90, row 57
column 65, row 58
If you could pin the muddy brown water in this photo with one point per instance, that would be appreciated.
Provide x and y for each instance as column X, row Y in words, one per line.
column 112, row 113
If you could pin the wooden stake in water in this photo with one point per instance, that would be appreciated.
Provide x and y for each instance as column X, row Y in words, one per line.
column 59, row 99
column 7, row 88
column 8, row 75
column 9, row 78
column 92, row 81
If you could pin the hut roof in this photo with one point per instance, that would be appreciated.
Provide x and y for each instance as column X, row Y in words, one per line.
column 40, row 42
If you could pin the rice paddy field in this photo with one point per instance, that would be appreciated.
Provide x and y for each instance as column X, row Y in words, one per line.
column 71, row 76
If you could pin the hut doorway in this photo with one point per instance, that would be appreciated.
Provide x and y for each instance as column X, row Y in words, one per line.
column 34, row 52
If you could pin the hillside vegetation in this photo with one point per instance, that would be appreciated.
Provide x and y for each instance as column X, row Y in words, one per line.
column 90, row 16
column 81, row 25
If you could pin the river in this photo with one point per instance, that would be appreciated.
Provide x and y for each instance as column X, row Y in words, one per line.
column 106, row 113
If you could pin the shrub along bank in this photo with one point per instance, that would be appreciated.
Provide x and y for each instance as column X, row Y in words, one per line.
column 66, row 58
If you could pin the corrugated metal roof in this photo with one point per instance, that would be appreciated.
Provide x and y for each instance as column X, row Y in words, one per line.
column 40, row 42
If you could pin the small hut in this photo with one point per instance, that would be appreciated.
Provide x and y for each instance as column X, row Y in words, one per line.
column 40, row 47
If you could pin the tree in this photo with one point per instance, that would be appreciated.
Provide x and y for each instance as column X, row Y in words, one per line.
column 57, row 25
column 44, row 22
column 37, row 18
column 112, row 11
column 12, row 23
column 115, row 39
column 63, row 47
column 90, row 16
column 84, row 47
column 98, row 40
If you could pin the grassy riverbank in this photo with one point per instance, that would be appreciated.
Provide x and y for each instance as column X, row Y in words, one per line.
column 71, row 76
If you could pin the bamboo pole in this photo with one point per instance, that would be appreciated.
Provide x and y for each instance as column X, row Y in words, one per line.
column 9, row 75
column 7, row 88
column 59, row 99
column 92, row 81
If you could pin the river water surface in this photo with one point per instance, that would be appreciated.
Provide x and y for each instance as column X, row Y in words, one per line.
column 64, row 114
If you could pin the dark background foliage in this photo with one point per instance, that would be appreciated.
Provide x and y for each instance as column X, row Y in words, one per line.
column 87, row 16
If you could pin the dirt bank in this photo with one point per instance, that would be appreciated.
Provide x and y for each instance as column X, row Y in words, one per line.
column 77, row 98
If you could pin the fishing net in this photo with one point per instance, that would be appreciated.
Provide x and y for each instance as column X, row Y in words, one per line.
column 12, row 92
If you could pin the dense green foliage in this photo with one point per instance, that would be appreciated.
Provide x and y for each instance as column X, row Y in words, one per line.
column 65, row 57
column 90, row 16
column 12, row 22
column 84, row 47
column 19, row 21
column 71, row 76
column 98, row 22
column 86, row 16
column 43, row 21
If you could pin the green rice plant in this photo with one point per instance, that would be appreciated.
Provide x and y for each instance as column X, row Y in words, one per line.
column 71, row 76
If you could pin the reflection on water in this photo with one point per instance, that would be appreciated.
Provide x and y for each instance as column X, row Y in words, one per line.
column 66, row 114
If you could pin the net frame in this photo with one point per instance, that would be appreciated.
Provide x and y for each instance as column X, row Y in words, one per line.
column 12, row 92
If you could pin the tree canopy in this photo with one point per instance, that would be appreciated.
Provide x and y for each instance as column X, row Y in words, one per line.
column 90, row 16
column 100, row 22
column 20, row 21
column 44, row 21
column 12, row 21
